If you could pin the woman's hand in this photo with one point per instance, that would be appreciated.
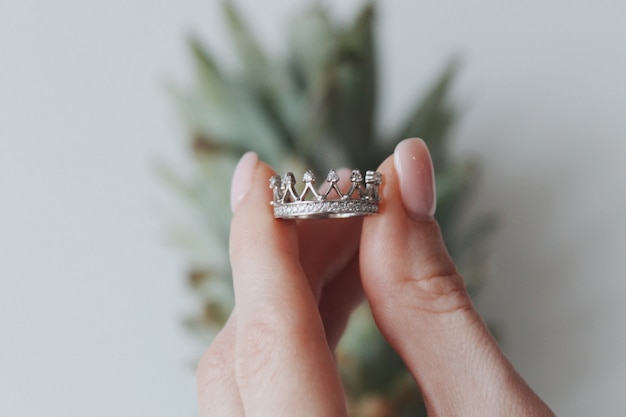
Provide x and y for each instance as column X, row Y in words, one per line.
column 297, row 282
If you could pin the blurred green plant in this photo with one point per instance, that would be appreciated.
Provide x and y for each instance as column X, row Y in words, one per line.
column 315, row 108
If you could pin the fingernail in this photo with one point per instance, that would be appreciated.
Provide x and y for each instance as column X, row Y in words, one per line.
column 416, row 177
column 242, row 178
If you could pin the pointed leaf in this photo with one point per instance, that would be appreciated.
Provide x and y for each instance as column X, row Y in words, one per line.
column 453, row 185
column 352, row 102
column 432, row 116
column 252, row 57
column 312, row 41
column 202, row 57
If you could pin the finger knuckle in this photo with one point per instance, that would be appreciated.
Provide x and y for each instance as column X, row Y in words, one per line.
column 441, row 293
column 254, row 352
column 436, row 288
column 263, row 344
column 214, row 367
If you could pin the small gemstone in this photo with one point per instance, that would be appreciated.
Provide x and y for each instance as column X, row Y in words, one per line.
column 275, row 181
column 308, row 176
column 356, row 176
column 332, row 176
column 289, row 178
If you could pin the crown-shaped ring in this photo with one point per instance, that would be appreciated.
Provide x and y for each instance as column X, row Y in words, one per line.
column 360, row 199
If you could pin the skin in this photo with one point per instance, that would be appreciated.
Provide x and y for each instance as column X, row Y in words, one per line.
column 296, row 284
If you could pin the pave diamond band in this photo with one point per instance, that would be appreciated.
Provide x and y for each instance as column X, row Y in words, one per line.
column 325, row 209
column 360, row 199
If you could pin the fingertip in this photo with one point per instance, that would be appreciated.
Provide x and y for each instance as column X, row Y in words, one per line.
column 403, row 242
column 242, row 178
column 253, row 226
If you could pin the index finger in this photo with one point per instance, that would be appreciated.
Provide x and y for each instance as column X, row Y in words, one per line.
column 283, row 365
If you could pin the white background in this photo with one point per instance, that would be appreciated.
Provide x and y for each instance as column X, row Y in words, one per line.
column 91, row 295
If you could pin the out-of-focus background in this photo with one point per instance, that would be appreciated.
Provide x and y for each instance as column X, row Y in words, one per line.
column 91, row 294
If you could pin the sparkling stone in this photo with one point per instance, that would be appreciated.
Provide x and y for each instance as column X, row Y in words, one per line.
column 308, row 176
column 289, row 178
column 332, row 176
column 275, row 181
column 356, row 176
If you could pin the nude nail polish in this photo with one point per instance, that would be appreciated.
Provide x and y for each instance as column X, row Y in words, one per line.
column 242, row 178
column 416, row 178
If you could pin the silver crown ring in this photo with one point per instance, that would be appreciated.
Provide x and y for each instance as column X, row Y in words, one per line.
column 361, row 199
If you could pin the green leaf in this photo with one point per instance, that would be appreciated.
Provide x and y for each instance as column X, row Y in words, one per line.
column 263, row 80
column 312, row 41
column 453, row 184
column 250, row 53
column 352, row 91
column 471, row 238
column 432, row 116
column 204, row 61
column 225, row 115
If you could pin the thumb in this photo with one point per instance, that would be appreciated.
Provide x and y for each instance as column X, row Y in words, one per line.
column 420, row 303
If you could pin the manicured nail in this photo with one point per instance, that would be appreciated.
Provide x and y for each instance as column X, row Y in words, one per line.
column 242, row 179
column 416, row 177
